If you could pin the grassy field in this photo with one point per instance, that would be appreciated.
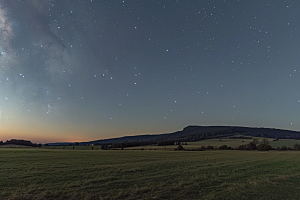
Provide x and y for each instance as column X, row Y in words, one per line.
column 216, row 143
column 284, row 142
column 74, row 174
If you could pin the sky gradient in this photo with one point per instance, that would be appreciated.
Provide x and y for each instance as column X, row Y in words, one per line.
column 85, row 70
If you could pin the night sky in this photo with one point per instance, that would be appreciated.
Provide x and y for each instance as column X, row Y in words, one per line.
column 82, row 70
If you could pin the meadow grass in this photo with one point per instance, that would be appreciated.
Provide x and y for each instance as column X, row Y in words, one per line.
column 217, row 142
column 284, row 142
column 237, row 142
column 73, row 174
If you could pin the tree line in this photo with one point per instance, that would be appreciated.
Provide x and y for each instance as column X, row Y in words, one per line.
column 20, row 142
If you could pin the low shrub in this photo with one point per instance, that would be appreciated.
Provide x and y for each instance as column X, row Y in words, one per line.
column 264, row 147
column 179, row 148
column 283, row 148
column 223, row 147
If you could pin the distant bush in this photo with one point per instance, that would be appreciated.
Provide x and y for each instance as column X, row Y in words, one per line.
column 196, row 149
column 20, row 142
column 179, row 148
column 297, row 147
column 264, row 147
column 223, row 147
column 251, row 146
column 241, row 147
column 264, row 141
column 210, row 147
column 283, row 148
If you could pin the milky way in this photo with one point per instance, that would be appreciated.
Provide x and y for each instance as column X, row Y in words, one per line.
column 85, row 70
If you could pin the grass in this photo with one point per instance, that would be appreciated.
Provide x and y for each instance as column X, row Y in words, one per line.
column 237, row 142
column 73, row 174
column 216, row 143
column 284, row 142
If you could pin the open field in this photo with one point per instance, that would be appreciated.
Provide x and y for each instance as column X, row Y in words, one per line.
column 237, row 142
column 73, row 174
column 284, row 142
column 219, row 142
column 216, row 143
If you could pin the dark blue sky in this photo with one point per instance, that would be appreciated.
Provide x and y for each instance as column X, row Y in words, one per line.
column 90, row 69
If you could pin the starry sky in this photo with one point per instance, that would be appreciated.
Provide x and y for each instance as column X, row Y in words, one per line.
column 82, row 70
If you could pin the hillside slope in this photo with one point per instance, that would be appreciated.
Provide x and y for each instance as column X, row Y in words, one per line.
column 196, row 133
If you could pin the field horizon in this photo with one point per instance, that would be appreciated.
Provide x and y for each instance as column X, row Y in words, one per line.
column 73, row 174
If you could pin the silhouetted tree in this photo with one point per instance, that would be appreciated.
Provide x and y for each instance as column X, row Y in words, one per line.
column 242, row 147
column 255, row 141
column 179, row 147
column 251, row 146
column 264, row 145
column 20, row 142
column 104, row 146
column 264, row 141
column 223, row 147
column 297, row 147
column 283, row 148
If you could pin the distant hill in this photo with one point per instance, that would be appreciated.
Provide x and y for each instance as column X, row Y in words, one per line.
column 196, row 133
